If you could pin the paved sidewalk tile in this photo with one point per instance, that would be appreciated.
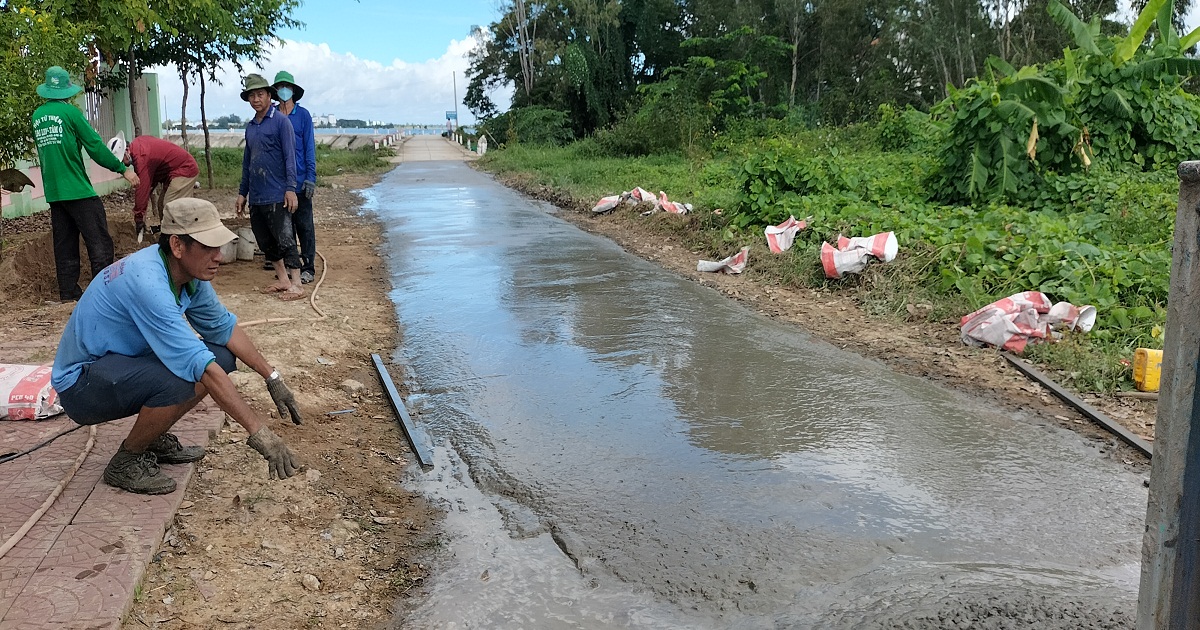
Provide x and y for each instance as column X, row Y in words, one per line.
column 79, row 565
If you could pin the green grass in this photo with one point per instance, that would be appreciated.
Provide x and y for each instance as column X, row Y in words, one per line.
column 1099, row 237
column 227, row 164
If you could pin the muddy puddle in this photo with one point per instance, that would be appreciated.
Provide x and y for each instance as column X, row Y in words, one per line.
column 618, row 446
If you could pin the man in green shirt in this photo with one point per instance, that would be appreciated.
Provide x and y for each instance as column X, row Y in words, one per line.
column 61, row 133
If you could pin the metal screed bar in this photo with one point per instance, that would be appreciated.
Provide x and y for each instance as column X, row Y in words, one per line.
column 417, row 440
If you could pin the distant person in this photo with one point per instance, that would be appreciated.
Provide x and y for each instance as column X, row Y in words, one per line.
column 306, row 170
column 162, row 165
column 269, row 185
column 61, row 134
column 150, row 337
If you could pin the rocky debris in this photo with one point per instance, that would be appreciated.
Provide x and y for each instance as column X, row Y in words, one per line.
column 311, row 582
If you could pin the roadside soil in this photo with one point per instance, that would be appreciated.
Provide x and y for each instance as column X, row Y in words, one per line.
column 242, row 545
column 916, row 346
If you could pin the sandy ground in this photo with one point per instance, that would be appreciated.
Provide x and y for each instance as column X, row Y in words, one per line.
column 914, row 346
column 242, row 546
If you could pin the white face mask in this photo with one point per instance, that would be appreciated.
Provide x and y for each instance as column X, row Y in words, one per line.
column 285, row 94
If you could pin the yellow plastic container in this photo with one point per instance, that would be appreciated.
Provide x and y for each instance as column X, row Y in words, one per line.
column 1147, row 369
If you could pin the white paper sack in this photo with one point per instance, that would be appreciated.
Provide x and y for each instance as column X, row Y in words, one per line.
column 780, row 237
column 734, row 264
column 1017, row 320
column 26, row 394
column 632, row 197
column 853, row 254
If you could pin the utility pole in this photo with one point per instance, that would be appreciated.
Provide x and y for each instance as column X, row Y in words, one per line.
column 454, row 81
column 1169, row 597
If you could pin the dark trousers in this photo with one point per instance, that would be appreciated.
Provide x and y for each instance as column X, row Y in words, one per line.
column 306, row 233
column 68, row 221
column 272, row 225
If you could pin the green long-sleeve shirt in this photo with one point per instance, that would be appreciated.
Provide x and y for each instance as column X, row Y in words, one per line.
column 61, row 132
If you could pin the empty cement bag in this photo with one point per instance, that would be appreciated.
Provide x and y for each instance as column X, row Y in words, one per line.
column 780, row 237
column 26, row 393
column 853, row 254
column 733, row 264
column 245, row 244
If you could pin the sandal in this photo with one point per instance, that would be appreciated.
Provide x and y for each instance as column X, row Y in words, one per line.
column 291, row 296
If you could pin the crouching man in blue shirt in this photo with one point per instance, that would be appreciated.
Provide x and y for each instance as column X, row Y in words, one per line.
column 131, row 347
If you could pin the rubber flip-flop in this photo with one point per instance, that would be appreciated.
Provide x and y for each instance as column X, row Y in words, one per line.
column 288, row 296
column 271, row 289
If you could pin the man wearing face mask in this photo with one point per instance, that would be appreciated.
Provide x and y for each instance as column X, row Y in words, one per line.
column 306, row 169
column 269, row 186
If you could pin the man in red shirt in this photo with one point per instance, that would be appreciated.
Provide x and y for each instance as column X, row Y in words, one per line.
column 160, row 164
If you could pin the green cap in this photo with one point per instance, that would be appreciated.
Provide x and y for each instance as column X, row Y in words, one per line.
column 284, row 76
column 256, row 82
column 58, row 85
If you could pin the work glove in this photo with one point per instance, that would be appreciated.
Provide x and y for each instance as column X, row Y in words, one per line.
column 285, row 401
column 281, row 461
column 310, row 189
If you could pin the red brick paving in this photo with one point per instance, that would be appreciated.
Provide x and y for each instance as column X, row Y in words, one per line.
column 78, row 567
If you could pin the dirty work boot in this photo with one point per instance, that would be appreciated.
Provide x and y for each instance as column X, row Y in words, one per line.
column 169, row 451
column 137, row 472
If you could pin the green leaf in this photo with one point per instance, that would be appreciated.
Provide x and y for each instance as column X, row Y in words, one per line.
column 1126, row 47
column 1084, row 33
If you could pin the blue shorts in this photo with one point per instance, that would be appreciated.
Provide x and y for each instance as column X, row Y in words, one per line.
column 116, row 386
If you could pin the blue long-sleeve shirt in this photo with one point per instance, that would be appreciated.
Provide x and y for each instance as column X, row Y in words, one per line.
column 134, row 309
column 306, row 145
column 269, row 161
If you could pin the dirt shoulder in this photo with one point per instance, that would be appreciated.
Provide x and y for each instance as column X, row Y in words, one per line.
column 240, row 548
column 916, row 347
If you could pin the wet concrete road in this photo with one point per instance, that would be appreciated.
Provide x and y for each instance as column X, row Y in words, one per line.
column 619, row 446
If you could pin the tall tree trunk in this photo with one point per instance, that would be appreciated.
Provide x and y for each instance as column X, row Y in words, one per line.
column 795, row 69
column 133, row 95
column 204, row 125
column 183, row 108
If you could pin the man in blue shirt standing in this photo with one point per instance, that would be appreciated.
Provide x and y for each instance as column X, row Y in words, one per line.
column 306, row 169
column 269, row 186
column 131, row 347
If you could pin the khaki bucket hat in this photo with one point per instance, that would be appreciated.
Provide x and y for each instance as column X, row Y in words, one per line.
column 196, row 218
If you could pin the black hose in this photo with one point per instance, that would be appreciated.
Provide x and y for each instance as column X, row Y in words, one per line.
column 8, row 457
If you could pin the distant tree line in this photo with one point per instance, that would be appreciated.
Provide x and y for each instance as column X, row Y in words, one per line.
column 686, row 67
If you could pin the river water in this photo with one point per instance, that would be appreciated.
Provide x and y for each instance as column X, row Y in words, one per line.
column 618, row 446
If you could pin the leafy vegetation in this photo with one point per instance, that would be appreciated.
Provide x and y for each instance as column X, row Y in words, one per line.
column 1056, row 177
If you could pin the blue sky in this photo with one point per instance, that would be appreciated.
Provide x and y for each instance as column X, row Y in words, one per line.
column 374, row 59
column 395, row 61
column 382, row 31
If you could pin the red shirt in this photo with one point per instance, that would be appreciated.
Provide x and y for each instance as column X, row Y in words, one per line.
column 157, row 162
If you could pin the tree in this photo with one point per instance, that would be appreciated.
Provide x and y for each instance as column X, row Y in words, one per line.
column 37, row 41
column 210, row 33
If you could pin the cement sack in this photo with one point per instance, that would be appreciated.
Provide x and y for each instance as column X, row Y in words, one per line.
column 853, row 254
column 26, row 394
column 1022, row 318
column 780, row 237
column 672, row 206
column 734, row 264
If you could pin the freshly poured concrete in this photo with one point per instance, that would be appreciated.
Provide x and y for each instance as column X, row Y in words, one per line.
column 619, row 446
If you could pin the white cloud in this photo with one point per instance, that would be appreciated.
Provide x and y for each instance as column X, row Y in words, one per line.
column 340, row 84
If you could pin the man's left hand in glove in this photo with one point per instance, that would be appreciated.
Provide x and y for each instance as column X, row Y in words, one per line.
column 310, row 189
column 285, row 401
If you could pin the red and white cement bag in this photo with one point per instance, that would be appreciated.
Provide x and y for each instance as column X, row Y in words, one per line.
column 1017, row 320
column 734, row 264
column 26, row 394
column 631, row 197
column 672, row 206
column 780, row 237
column 853, row 254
